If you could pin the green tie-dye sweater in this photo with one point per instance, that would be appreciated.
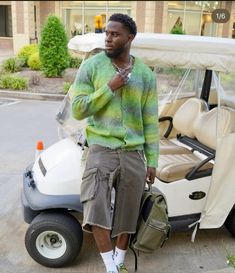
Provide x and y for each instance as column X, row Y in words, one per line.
column 126, row 118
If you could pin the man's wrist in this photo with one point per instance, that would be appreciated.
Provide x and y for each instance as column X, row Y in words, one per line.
column 111, row 88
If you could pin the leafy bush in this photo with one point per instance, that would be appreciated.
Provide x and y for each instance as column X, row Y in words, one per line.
column 34, row 61
column 66, row 86
column 13, row 64
column 13, row 82
column 26, row 51
column 75, row 62
column 53, row 47
column 2, row 71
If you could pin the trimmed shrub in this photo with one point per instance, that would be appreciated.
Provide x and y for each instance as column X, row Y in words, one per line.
column 177, row 30
column 75, row 62
column 53, row 49
column 13, row 64
column 13, row 82
column 34, row 61
column 26, row 51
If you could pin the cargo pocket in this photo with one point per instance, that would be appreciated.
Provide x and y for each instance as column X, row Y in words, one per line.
column 89, row 185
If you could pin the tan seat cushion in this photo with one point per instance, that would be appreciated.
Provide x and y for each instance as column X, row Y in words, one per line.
column 187, row 114
column 175, row 167
column 183, row 121
column 169, row 147
column 206, row 125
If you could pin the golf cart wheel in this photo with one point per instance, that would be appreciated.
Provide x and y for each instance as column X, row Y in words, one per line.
column 54, row 239
column 230, row 223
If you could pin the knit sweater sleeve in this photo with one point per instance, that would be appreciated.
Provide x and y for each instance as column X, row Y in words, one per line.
column 86, row 101
column 150, row 122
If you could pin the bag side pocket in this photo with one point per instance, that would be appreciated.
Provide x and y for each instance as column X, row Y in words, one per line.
column 89, row 185
column 151, row 236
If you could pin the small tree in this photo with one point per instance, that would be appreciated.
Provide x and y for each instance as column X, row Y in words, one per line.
column 53, row 50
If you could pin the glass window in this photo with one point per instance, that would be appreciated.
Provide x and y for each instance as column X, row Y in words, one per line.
column 193, row 6
column 71, row 4
column 193, row 16
column 119, row 4
column 192, row 23
column 5, row 21
column 94, row 16
column 176, row 4
column 73, row 22
column 119, row 7
column 208, row 27
column 208, row 6
column 97, row 4
column 94, row 20
column 90, row 16
column 174, row 18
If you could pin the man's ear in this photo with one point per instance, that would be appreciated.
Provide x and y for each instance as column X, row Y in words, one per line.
column 131, row 37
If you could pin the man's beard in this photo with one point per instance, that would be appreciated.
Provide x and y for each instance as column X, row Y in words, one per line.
column 116, row 53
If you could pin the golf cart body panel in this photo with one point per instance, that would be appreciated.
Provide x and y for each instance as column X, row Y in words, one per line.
column 62, row 164
column 34, row 201
column 183, row 190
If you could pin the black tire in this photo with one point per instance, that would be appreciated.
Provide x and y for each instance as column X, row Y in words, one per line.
column 54, row 239
column 230, row 223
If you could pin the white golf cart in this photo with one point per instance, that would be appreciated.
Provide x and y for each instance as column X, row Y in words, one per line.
column 195, row 79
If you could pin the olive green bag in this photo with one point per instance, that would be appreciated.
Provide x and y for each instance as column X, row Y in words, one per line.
column 153, row 228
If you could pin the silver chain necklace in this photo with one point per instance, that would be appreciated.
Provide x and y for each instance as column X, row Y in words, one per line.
column 122, row 70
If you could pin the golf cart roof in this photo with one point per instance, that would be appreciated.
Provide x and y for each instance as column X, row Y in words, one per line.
column 170, row 50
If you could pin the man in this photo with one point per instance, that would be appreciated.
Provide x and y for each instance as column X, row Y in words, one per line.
column 117, row 93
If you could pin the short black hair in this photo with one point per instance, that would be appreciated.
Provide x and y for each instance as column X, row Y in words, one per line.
column 126, row 20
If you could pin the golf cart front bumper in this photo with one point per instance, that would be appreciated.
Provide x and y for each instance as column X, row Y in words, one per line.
column 34, row 202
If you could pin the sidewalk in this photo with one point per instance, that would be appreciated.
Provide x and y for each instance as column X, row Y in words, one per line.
column 225, row 270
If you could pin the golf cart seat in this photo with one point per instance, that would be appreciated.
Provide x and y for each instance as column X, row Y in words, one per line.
column 173, row 167
column 168, row 146
column 201, row 137
column 182, row 121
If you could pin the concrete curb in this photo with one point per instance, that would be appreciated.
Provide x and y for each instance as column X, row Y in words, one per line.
column 224, row 270
column 30, row 95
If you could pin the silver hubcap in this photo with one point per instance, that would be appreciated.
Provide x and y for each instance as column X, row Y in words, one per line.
column 51, row 244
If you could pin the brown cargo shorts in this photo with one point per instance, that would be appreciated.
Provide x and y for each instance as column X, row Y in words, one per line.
column 108, row 169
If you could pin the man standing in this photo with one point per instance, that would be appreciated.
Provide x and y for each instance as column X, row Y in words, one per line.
column 117, row 92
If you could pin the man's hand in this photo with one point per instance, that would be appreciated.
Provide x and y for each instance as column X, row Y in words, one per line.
column 119, row 80
column 151, row 174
